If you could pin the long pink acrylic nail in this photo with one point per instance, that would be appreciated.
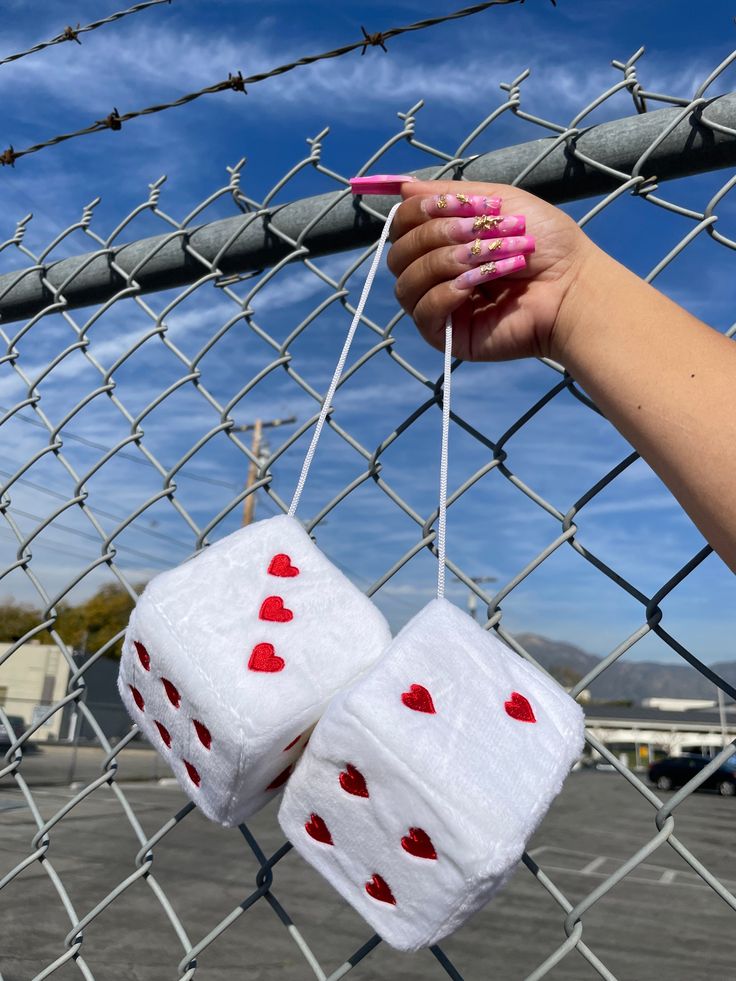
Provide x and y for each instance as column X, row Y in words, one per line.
column 489, row 271
column 490, row 249
column 461, row 205
column 379, row 183
column 487, row 226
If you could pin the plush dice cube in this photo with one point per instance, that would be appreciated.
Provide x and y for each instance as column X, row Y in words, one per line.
column 230, row 659
column 423, row 782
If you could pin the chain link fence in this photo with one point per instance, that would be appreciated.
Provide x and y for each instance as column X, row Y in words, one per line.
column 238, row 309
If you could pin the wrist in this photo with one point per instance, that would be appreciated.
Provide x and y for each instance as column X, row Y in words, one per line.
column 589, row 271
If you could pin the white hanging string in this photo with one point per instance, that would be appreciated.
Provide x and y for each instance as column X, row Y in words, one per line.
column 327, row 403
column 442, row 514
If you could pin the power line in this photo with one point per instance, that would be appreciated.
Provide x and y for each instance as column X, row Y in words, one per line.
column 80, row 534
column 121, row 454
column 72, row 33
column 62, row 549
column 55, row 525
column 238, row 83
column 97, row 511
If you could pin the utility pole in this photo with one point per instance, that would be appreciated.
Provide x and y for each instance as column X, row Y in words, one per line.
column 472, row 598
column 258, row 445
column 722, row 714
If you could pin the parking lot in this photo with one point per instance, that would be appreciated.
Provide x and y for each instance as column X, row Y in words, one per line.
column 661, row 922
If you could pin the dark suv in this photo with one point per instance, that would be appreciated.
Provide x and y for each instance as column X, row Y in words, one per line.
column 678, row 770
column 18, row 725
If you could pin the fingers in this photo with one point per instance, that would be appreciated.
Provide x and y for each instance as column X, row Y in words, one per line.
column 450, row 240
column 460, row 263
column 441, row 232
column 434, row 307
column 438, row 302
column 482, row 250
column 459, row 204
column 448, row 198
column 489, row 271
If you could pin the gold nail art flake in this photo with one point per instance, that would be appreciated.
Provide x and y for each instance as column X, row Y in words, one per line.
column 442, row 201
column 476, row 247
column 487, row 269
column 486, row 222
column 495, row 243
column 463, row 199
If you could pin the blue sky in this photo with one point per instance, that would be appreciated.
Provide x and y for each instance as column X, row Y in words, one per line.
column 634, row 525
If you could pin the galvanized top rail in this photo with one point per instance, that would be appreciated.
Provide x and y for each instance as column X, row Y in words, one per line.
column 651, row 147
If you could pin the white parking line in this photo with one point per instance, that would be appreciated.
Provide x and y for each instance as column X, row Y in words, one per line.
column 567, row 861
column 592, row 866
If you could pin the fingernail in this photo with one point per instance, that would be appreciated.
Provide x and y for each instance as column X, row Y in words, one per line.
column 487, row 226
column 489, row 271
column 454, row 205
column 480, row 250
column 379, row 183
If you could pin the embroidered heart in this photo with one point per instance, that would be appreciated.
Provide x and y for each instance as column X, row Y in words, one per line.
column 164, row 733
column 519, row 708
column 353, row 782
column 418, row 699
column 317, row 829
column 377, row 887
column 293, row 742
column 203, row 733
column 273, row 608
column 281, row 566
column 264, row 658
column 281, row 778
column 171, row 692
column 138, row 698
column 193, row 774
column 418, row 843
column 143, row 655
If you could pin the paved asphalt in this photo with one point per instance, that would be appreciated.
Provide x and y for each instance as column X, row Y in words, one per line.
column 661, row 924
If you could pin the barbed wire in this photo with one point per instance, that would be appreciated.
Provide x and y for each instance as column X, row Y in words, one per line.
column 72, row 33
column 238, row 82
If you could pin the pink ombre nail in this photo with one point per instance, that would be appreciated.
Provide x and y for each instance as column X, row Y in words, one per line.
column 379, row 183
column 487, row 226
column 490, row 249
column 489, row 271
column 458, row 205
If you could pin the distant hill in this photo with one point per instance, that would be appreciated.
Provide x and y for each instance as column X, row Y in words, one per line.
column 626, row 679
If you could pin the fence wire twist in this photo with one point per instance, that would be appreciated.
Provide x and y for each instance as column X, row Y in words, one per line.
column 234, row 298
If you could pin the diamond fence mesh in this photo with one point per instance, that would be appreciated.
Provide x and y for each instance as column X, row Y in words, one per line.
column 238, row 310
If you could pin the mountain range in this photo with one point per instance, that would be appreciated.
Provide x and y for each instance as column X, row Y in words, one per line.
column 625, row 678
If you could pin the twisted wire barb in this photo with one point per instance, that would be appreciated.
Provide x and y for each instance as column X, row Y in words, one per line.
column 72, row 33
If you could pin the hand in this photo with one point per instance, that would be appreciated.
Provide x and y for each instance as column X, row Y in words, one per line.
column 516, row 316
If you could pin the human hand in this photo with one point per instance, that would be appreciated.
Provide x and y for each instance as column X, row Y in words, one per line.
column 514, row 316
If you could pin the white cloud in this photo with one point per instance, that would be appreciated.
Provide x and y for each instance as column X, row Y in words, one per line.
column 557, row 87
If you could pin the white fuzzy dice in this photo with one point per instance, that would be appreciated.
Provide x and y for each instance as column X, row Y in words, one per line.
column 230, row 659
column 422, row 783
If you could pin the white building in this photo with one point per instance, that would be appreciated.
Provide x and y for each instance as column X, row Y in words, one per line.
column 33, row 678
column 642, row 733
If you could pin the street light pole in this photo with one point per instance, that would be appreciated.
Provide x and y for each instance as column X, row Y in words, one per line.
column 257, row 427
column 472, row 598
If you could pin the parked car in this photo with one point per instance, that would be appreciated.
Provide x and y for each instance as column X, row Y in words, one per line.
column 674, row 771
column 18, row 725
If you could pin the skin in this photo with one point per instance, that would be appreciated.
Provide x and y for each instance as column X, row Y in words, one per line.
column 663, row 378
